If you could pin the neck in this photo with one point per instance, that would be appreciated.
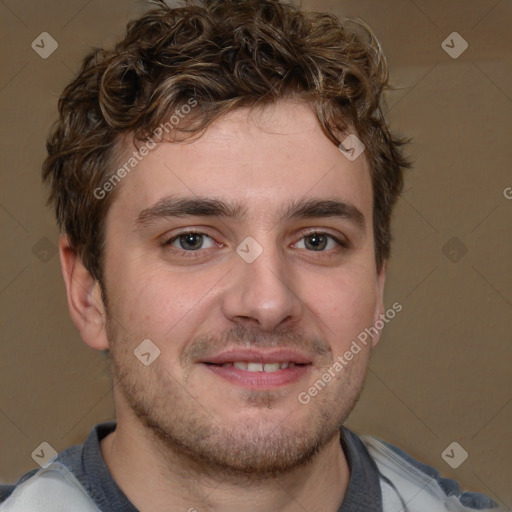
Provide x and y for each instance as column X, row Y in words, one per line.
column 156, row 478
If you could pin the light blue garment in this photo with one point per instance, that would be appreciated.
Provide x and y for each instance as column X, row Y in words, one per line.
column 406, row 488
column 52, row 489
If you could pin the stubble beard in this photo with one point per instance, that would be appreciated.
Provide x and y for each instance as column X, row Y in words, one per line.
column 181, row 427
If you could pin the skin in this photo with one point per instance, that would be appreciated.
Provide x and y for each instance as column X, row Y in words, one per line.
column 187, row 438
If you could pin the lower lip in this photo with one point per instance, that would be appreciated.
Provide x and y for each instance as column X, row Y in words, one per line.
column 259, row 380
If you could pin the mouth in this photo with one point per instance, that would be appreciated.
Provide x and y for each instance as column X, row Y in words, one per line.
column 258, row 367
column 259, row 370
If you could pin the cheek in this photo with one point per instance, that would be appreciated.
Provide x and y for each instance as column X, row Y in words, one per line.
column 345, row 304
column 155, row 303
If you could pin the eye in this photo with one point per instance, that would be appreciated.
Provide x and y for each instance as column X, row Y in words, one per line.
column 320, row 242
column 190, row 241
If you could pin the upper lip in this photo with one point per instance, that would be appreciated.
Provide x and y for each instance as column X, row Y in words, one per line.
column 259, row 356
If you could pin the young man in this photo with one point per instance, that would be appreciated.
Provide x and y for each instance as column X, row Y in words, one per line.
column 224, row 181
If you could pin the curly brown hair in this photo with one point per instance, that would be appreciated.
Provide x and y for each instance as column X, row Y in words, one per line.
column 225, row 54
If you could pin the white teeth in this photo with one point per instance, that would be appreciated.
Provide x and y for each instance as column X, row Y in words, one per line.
column 260, row 367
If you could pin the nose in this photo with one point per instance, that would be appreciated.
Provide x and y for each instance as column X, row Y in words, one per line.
column 263, row 292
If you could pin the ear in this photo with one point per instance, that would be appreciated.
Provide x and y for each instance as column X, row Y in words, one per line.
column 379, row 301
column 84, row 297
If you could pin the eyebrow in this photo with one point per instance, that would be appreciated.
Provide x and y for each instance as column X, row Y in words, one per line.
column 305, row 208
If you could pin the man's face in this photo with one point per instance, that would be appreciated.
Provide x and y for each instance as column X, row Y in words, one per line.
column 211, row 309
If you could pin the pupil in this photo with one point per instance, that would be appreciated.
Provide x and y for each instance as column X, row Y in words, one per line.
column 316, row 241
column 193, row 240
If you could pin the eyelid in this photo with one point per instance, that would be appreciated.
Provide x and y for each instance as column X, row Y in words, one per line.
column 168, row 239
column 339, row 240
column 201, row 230
column 182, row 253
column 338, row 237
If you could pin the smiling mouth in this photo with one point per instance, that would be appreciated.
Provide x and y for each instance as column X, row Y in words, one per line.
column 250, row 366
column 256, row 375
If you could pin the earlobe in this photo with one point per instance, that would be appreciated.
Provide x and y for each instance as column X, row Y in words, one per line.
column 84, row 297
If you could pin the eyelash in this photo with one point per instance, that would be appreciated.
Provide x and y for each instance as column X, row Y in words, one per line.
column 342, row 244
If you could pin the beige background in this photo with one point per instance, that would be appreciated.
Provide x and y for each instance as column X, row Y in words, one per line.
column 442, row 370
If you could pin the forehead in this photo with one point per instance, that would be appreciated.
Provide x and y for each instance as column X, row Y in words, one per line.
column 260, row 158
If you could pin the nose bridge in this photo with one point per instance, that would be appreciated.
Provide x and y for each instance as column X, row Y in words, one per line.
column 262, row 287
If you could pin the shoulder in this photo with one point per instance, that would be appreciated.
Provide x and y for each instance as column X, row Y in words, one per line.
column 68, row 461
column 52, row 488
column 418, row 482
column 69, row 457
column 7, row 489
